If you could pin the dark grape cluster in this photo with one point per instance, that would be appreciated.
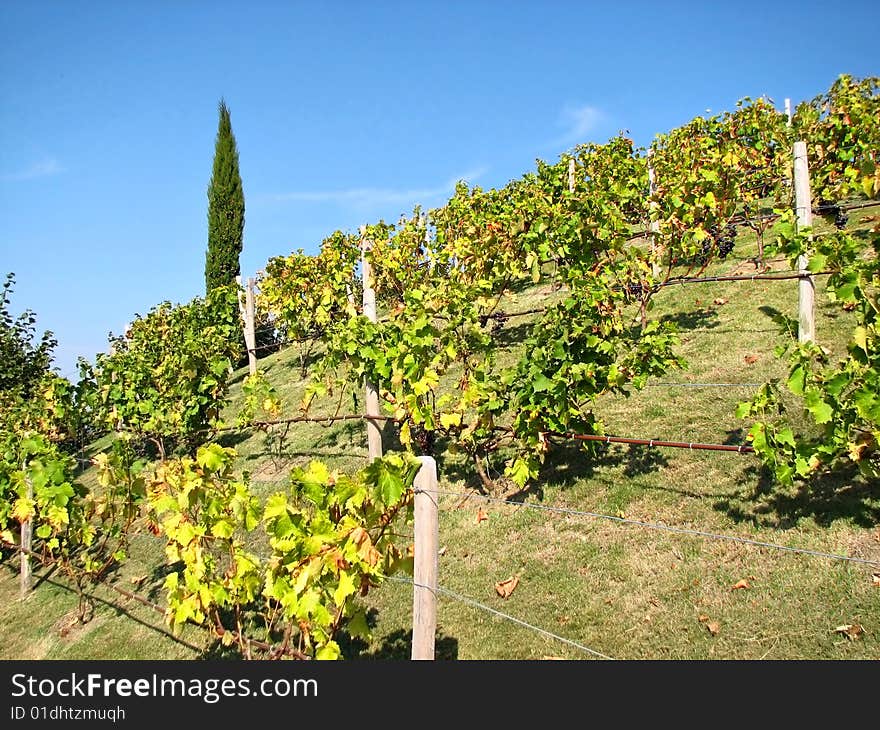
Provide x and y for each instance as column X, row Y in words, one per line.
column 423, row 439
column 826, row 209
column 500, row 320
column 723, row 239
column 635, row 291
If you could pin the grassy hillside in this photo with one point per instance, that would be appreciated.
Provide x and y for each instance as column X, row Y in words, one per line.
column 626, row 591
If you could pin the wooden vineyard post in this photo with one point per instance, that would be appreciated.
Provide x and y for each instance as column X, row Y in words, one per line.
column 374, row 434
column 788, row 110
column 425, row 563
column 26, row 546
column 654, row 225
column 571, row 175
column 803, row 209
column 250, row 326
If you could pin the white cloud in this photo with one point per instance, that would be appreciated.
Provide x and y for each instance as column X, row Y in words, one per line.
column 44, row 168
column 362, row 198
column 578, row 122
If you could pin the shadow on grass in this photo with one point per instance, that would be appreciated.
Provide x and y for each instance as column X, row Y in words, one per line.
column 119, row 610
column 701, row 319
column 785, row 324
column 513, row 335
column 397, row 645
column 839, row 495
column 569, row 462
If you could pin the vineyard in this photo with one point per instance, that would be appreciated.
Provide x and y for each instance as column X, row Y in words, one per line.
column 650, row 443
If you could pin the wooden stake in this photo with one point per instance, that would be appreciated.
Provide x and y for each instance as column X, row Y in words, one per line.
column 571, row 175
column 27, row 545
column 426, row 561
column 250, row 326
column 804, row 211
column 788, row 110
column 374, row 434
column 654, row 225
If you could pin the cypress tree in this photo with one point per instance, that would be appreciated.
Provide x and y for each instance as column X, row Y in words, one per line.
column 225, row 209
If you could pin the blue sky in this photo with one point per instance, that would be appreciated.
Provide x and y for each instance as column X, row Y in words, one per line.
column 344, row 113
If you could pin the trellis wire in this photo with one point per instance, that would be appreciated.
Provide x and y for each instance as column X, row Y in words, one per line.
column 476, row 604
column 706, row 385
column 668, row 528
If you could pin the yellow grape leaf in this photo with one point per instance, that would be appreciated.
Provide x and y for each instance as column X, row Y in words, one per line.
column 506, row 587
column 23, row 509
column 741, row 584
column 481, row 515
column 448, row 420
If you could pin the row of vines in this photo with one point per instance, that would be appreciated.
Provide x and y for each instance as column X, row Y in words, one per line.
column 278, row 576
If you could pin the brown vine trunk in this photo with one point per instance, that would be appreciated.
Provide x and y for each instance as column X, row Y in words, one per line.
column 486, row 480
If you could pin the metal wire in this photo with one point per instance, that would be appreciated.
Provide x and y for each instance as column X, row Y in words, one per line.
column 667, row 528
column 709, row 385
column 476, row 604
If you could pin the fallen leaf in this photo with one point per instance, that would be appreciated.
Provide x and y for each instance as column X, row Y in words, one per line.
column 751, row 359
column 442, row 551
column 136, row 580
column 563, row 620
column 875, row 579
column 851, row 631
column 719, row 301
column 481, row 515
column 741, row 584
column 713, row 626
column 506, row 587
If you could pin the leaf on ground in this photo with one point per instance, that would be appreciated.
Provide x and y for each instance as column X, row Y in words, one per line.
column 482, row 515
column 136, row 580
column 712, row 626
column 506, row 587
column 751, row 359
column 850, row 631
column 875, row 579
column 741, row 584
column 720, row 301
column 441, row 551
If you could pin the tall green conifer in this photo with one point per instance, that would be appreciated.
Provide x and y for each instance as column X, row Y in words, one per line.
column 225, row 209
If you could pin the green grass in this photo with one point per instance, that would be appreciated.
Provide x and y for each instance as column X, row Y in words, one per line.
column 626, row 591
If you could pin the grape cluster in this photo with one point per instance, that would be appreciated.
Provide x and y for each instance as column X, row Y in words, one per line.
column 723, row 239
column 635, row 291
column 720, row 240
column 500, row 320
column 826, row 208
